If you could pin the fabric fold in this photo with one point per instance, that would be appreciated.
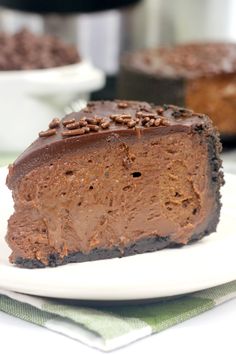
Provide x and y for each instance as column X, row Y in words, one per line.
column 111, row 327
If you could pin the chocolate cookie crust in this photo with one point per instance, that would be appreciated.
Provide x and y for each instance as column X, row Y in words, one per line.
column 115, row 179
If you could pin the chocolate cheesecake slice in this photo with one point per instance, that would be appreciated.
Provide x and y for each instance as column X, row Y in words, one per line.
column 201, row 76
column 115, row 179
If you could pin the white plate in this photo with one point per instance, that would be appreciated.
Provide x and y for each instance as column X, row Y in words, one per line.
column 204, row 264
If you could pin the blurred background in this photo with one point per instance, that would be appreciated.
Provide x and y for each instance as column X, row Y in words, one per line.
column 102, row 31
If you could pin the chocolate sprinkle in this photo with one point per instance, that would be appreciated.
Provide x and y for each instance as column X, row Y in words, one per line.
column 68, row 121
column 55, row 123
column 114, row 116
column 131, row 123
column 125, row 116
column 150, row 123
column 157, row 122
column 119, row 119
column 83, row 123
column 91, row 120
column 93, row 127
column 105, row 125
column 74, row 132
column 47, row 133
column 75, row 125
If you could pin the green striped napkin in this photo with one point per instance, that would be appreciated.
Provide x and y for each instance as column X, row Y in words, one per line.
column 111, row 327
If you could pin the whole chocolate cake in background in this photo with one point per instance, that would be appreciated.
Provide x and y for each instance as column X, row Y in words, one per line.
column 27, row 51
column 114, row 179
column 201, row 76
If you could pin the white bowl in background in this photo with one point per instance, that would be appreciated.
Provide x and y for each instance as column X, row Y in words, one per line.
column 29, row 99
